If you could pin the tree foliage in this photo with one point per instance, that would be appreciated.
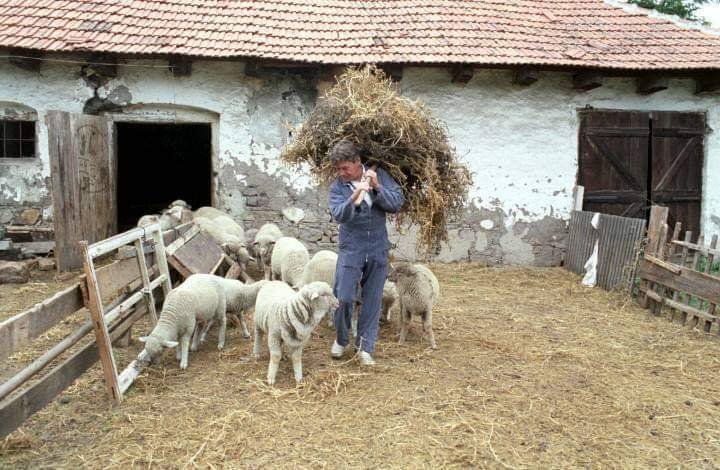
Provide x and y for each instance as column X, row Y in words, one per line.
column 682, row 8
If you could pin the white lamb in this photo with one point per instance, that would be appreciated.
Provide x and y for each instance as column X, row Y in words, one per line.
column 240, row 299
column 264, row 243
column 209, row 213
column 321, row 267
column 288, row 261
column 200, row 298
column 389, row 298
column 418, row 290
column 228, row 235
column 288, row 318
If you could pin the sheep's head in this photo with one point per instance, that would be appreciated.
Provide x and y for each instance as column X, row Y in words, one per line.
column 264, row 248
column 238, row 252
column 179, row 202
column 401, row 269
column 154, row 347
column 319, row 295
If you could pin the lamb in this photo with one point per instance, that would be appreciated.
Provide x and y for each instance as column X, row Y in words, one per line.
column 209, row 213
column 200, row 298
column 288, row 261
column 418, row 290
column 389, row 297
column 321, row 267
column 264, row 243
column 288, row 318
column 240, row 298
column 176, row 214
column 229, row 235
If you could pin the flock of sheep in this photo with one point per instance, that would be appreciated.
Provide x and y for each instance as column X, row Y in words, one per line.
column 289, row 303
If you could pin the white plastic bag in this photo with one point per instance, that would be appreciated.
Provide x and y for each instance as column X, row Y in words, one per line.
column 590, row 278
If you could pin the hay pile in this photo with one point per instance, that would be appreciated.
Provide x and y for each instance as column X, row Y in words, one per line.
column 395, row 133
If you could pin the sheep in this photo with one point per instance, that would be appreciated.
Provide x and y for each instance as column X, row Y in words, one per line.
column 288, row 318
column 180, row 210
column 209, row 213
column 240, row 298
column 264, row 243
column 389, row 297
column 229, row 237
column 200, row 298
column 321, row 267
column 288, row 261
column 418, row 290
column 170, row 218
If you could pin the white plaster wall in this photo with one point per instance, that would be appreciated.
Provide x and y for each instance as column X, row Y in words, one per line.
column 521, row 143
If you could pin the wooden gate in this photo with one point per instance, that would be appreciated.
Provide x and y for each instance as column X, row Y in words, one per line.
column 630, row 160
column 676, row 165
column 614, row 162
column 83, row 184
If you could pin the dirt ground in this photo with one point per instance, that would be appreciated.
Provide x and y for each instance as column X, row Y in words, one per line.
column 532, row 370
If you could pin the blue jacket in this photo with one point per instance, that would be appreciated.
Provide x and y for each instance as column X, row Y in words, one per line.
column 363, row 235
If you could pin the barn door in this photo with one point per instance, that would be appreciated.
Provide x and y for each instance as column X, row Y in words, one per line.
column 83, row 188
column 676, row 165
column 614, row 162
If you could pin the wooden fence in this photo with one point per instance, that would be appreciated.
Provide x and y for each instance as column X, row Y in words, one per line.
column 679, row 274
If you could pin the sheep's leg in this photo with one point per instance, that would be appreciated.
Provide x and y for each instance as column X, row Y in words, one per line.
column 195, row 339
column 243, row 324
column 223, row 327
column 184, row 346
column 427, row 327
column 257, row 345
column 354, row 320
column 404, row 320
column 206, row 328
column 275, row 354
column 296, row 357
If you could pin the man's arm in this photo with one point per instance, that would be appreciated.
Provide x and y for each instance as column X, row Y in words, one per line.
column 342, row 208
column 388, row 194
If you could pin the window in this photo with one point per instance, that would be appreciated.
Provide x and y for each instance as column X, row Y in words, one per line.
column 17, row 139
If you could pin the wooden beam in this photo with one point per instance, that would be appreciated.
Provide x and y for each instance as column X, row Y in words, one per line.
column 707, row 84
column 180, row 66
column 393, row 71
column 525, row 76
column 26, row 59
column 651, row 84
column 462, row 73
column 587, row 81
column 687, row 280
column 252, row 68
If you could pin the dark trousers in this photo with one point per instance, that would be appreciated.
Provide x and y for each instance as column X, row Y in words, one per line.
column 371, row 277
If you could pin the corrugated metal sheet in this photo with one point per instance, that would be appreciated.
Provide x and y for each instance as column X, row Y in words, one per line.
column 619, row 237
column 581, row 240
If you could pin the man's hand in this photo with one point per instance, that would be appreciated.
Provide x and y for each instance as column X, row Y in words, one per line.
column 359, row 193
column 371, row 177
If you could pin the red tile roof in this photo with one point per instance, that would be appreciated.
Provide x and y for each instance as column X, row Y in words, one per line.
column 581, row 33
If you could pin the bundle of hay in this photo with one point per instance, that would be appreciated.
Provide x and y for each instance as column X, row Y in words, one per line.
column 396, row 134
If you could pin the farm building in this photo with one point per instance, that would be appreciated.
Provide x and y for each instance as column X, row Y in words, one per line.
column 113, row 110
column 195, row 99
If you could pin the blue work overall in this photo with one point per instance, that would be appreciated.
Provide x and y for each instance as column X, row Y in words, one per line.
column 362, row 258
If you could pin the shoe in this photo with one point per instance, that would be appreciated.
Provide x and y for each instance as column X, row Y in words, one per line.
column 366, row 359
column 337, row 351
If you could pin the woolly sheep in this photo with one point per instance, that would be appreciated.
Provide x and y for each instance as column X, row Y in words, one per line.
column 288, row 318
column 264, row 242
column 389, row 297
column 418, row 290
column 200, row 298
column 288, row 261
column 228, row 236
column 321, row 267
column 209, row 213
column 240, row 299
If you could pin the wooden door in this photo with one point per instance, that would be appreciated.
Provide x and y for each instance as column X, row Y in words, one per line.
column 83, row 188
column 676, row 165
column 613, row 162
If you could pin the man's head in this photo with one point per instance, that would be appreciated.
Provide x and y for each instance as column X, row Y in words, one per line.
column 345, row 157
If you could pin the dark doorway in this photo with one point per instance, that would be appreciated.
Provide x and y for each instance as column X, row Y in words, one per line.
column 630, row 160
column 159, row 163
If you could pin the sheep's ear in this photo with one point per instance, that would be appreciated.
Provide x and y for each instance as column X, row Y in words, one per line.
column 314, row 296
column 143, row 339
column 256, row 243
column 170, row 344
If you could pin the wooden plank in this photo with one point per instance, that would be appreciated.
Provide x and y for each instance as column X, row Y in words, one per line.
column 650, row 84
column 82, row 189
column 695, row 313
column 658, row 218
column 36, row 248
column 15, row 411
column 20, row 330
column 708, row 268
column 181, row 240
column 102, row 337
column 147, row 292
column 701, row 249
column 688, row 280
column 675, row 269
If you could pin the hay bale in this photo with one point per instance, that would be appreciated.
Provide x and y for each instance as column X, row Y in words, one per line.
column 395, row 133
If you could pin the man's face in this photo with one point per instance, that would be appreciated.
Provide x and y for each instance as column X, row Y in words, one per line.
column 349, row 171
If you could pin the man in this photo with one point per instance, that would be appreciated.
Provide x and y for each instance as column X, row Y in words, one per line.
column 359, row 199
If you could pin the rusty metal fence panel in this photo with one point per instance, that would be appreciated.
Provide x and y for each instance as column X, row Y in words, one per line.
column 619, row 239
